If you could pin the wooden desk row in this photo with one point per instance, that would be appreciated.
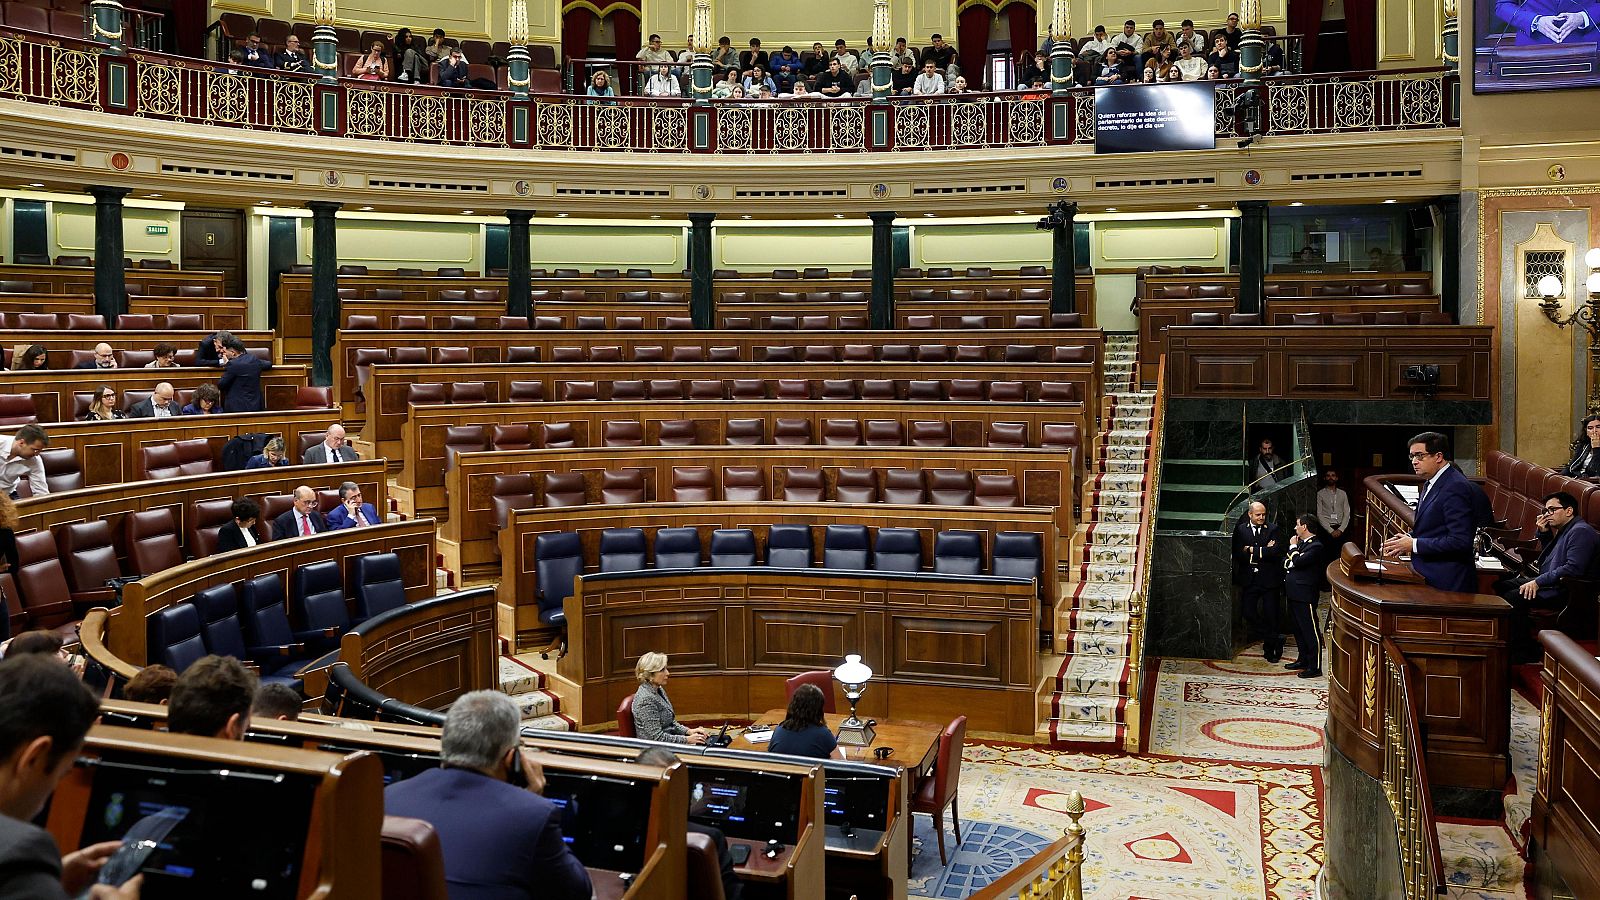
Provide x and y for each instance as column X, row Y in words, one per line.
column 80, row 279
column 1329, row 362
column 1044, row 481
column 59, row 344
column 54, row 392
column 751, row 346
column 388, row 388
column 217, row 313
column 432, row 433
column 108, row 452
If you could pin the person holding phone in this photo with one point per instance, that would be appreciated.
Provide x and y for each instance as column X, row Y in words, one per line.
column 500, row 838
column 351, row 512
column 372, row 67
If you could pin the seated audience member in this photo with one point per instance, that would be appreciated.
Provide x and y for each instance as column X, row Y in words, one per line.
column 1213, row 73
column 785, row 69
column 1033, row 70
column 1092, row 55
column 1585, row 462
column 836, row 82
column 212, row 698
column 151, row 684
column 206, row 400
column 45, row 712
column 600, row 85
column 723, row 89
column 724, row 57
column 257, row 55
column 902, row 53
column 817, row 64
column 1224, row 56
column 1149, row 76
column 757, row 79
column 1110, row 72
column 209, row 351
column 662, row 84
column 736, row 93
column 1193, row 67
column 332, row 449
column 653, row 52
column 271, row 456
column 1158, row 39
column 351, row 512
column 1125, row 48
column 410, row 57
column 104, row 358
column 453, row 70
column 653, row 716
column 732, row 887
column 752, row 59
column 500, row 839
column 1161, row 59
column 959, row 86
column 1173, row 73
column 847, row 58
column 19, row 459
column 804, row 732
column 293, row 59
column 276, row 702
column 438, row 47
column 159, row 405
column 166, row 357
column 685, row 58
column 372, row 67
column 240, row 383
column 929, row 82
column 1231, row 32
column 30, row 358
column 104, row 407
column 241, row 532
column 903, row 79
column 301, row 520
column 1568, row 548
column 799, row 92
column 1272, row 60
column 1187, row 35
column 943, row 55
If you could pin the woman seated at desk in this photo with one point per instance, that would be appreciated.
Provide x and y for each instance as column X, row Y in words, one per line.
column 653, row 716
column 804, row 732
column 1585, row 461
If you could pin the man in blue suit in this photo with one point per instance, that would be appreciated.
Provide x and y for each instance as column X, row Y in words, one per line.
column 1550, row 21
column 351, row 512
column 501, row 840
column 241, row 378
column 1450, row 510
column 1568, row 548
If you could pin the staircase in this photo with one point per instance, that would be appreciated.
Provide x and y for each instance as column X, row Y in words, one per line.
column 1196, row 493
column 1088, row 695
column 540, row 708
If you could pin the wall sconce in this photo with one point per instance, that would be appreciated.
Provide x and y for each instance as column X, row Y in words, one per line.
column 1586, row 316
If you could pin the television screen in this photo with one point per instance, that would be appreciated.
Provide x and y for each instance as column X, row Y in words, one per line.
column 603, row 819
column 1530, row 45
column 1142, row 118
column 752, row 806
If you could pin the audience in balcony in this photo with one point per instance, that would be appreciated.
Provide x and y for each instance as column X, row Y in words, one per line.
column 1231, row 32
column 904, row 78
column 662, row 84
column 257, row 55
column 241, row 532
column 724, row 58
column 757, row 79
column 1173, row 73
column 818, row 63
column 902, row 52
column 438, row 47
column 960, row 85
column 1110, row 72
column 1224, row 56
column 785, row 69
column 1272, row 60
column 1585, row 462
column 1191, row 65
column 726, row 88
column 836, row 82
column 410, row 57
column 1161, row 59
column 600, row 85
column 929, row 82
column 943, row 55
column 1157, row 40
column 104, row 407
column 752, row 59
column 653, row 52
column 1213, row 73
column 292, row 59
column 1126, row 46
column 206, row 400
column 104, row 358
column 453, row 70
column 1035, row 70
column 372, row 67
column 29, row 359
column 1187, row 35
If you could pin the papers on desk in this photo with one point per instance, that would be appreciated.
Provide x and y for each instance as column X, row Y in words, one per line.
column 1490, row 564
column 1406, row 492
column 758, row 737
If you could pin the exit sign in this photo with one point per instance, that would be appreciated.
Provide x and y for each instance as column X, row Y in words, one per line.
column 155, row 229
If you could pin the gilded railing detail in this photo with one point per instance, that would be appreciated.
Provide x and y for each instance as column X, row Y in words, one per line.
column 1405, row 782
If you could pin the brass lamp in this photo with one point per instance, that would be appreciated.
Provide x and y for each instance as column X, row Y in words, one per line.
column 854, row 674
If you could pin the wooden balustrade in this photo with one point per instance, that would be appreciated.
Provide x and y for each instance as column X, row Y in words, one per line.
column 1405, row 780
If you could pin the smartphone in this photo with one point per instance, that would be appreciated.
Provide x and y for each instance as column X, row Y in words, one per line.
column 515, row 776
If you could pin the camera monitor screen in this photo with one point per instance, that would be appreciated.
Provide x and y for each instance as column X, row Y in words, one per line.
column 1535, row 45
column 212, row 842
column 603, row 819
column 398, row 765
column 1148, row 117
column 859, row 802
column 749, row 805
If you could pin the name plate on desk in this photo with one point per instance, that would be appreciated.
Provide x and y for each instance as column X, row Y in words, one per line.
column 1355, row 564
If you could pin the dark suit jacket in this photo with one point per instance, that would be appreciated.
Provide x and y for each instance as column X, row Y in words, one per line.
column 500, row 842
column 339, row 518
column 30, row 863
column 286, row 526
column 1584, row 464
column 451, row 75
column 229, row 538
column 88, row 364
column 146, row 409
column 317, row 454
column 205, row 353
column 241, row 384
column 1447, row 519
column 1267, row 572
column 1306, row 565
column 1570, row 553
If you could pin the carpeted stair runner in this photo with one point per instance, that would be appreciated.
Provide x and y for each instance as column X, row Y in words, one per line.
column 540, row 708
column 1089, row 693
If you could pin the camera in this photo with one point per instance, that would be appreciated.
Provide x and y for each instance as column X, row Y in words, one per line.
column 1424, row 379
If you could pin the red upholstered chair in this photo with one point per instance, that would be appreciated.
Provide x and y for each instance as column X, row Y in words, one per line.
column 46, row 598
column 746, row 483
column 136, row 321
column 885, row 433
column 625, row 717
column 858, row 485
column 17, row 409
column 564, row 489
column 745, row 431
column 554, row 435
column 940, row 789
column 425, row 393
column 195, row 457
column 204, row 519
column 313, row 397
column 469, row 392
column 623, row 486
column 677, row 433
column 802, row 485
column 459, row 439
column 152, row 541
column 158, row 462
column 86, row 322
column 512, row 437
column 413, row 862
column 949, row 487
column 62, row 471
column 841, row 433
column 705, row 871
column 623, row 433
column 692, row 484
column 91, row 561
column 526, row 391
column 822, row 680
column 511, row 492
column 705, row 389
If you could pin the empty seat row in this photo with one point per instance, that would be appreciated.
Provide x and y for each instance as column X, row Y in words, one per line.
column 903, row 272
column 128, row 262
column 45, row 321
column 1193, row 291
column 156, row 321
column 753, row 484
column 613, row 353
column 814, row 322
column 913, row 321
column 1350, row 289
column 785, row 432
column 406, row 322
column 251, row 621
column 956, row 389
column 1380, row 317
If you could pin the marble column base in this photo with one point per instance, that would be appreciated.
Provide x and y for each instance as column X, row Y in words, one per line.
column 1191, row 604
column 1362, row 849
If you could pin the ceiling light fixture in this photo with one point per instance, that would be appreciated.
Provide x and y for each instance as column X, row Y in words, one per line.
column 1391, row 201
column 36, row 184
column 1297, row 203
column 838, row 215
column 561, row 215
column 366, row 209
column 1111, row 209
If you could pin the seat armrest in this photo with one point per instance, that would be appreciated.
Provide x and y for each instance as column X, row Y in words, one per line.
column 284, row 650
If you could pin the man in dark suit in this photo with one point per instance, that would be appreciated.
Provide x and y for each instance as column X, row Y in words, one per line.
column 351, row 512
column 301, row 521
column 104, row 358
column 45, row 711
column 159, row 405
column 1450, row 509
column 501, row 840
column 241, row 378
column 332, row 448
column 1568, row 549
column 1258, row 549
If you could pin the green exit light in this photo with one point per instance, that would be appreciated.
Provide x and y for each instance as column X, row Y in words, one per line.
column 155, row 229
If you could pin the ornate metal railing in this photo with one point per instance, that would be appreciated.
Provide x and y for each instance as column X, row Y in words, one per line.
column 75, row 73
column 1405, row 781
column 1054, row 873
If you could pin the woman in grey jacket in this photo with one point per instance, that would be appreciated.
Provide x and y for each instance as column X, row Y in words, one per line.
column 653, row 717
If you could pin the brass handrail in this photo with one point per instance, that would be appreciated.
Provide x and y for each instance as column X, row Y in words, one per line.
column 1054, row 873
column 1405, row 781
column 1147, row 526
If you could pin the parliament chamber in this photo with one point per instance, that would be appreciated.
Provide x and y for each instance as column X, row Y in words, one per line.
column 1163, row 464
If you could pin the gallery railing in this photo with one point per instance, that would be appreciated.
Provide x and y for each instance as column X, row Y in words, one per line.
column 77, row 74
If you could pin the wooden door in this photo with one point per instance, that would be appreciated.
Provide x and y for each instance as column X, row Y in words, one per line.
column 214, row 239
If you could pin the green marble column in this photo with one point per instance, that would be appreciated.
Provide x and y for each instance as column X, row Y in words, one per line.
column 325, row 312
column 880, row 307
column 702, row 304
column 110, row 283
column 519, row 265
column 1252, row 254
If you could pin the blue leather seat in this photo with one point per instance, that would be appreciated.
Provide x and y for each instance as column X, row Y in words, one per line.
column 733, row 548
column 623, row 550
column 958, row 553
column 845, row 547
column 789, row 546
column 266, row 622
column 678, row 548
column 319, row 594
column 1017, row 554
column 175, row 636
column 378, row 584
column 897, row 550
column 558, row 557
column 224, row 634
